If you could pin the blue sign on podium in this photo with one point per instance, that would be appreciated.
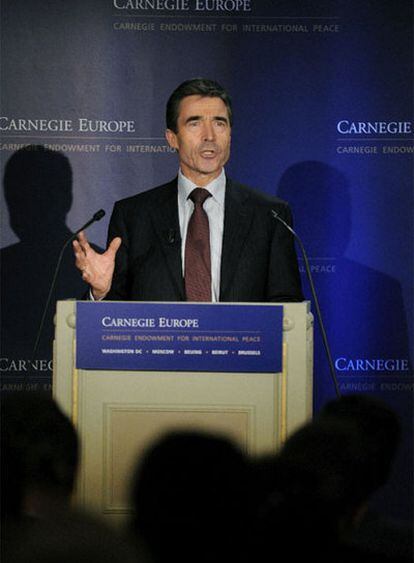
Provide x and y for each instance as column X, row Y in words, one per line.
column 211, row 337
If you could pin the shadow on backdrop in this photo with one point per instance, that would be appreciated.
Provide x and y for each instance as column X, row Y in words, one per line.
column 362, row 308
column 38, row 193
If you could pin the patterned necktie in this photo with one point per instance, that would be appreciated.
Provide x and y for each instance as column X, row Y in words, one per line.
column 197, row 271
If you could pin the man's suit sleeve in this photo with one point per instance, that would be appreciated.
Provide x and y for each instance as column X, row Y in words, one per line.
column 118, row 227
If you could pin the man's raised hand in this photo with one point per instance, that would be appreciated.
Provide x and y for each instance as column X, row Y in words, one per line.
column 97, row 269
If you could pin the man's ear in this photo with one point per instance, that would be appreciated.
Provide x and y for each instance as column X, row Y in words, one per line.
column 171, row 138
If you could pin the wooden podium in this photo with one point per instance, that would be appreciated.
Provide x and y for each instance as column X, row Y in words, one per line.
column 118, row 413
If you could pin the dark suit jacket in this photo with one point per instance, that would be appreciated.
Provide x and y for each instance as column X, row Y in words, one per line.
column 258, row 256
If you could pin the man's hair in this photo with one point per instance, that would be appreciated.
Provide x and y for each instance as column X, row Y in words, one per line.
column 195, row 87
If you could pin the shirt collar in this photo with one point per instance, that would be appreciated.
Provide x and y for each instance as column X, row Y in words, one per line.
column 217, row 187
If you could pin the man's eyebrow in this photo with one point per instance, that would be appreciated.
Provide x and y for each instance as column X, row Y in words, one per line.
column 198, row 117
column 192, row 118
column 221, row 118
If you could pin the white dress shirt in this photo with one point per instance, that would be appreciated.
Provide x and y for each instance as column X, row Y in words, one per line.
column 214, row 207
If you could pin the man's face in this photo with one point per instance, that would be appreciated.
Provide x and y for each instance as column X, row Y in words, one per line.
column 202, row 139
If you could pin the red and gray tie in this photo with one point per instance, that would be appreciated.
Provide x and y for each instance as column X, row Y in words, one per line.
column 197, row 272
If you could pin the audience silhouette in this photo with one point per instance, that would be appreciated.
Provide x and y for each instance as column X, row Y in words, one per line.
column 39, row 455
column 191, row 499
column 39, row 462
column 315, row 492
column 379, row 430
column 198, row 497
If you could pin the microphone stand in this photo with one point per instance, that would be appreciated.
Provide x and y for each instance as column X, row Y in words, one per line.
column 97, row 217
column 315, row 299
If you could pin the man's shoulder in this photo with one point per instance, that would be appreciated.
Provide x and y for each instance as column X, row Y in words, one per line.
column 148, row 197
column 253, row 196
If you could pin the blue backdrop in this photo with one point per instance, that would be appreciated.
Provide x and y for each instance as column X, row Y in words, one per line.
column 323, row 104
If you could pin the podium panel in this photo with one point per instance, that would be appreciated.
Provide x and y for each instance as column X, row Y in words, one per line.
column 119, row 413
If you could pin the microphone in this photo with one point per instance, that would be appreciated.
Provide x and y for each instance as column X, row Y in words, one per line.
column 97, row 217
column 315, row 299
column 171, row 236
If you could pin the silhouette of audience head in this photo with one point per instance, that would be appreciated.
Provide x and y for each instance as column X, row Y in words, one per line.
column 38, row 191
column 320, row 467
column 325, row 474
column 190, row 495
column 378, row 429
column 40, row 456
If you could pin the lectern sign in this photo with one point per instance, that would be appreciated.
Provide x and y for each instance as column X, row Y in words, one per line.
column 179, row 337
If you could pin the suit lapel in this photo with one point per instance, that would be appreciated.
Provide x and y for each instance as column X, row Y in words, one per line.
column 237, row 220
column 164, row 215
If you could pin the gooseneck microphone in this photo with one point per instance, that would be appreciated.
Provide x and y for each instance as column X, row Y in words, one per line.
column 97, row 217
column 315, row 299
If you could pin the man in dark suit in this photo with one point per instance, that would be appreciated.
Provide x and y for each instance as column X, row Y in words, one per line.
column 201, row 237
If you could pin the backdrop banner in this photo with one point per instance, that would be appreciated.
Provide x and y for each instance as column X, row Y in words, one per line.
column 323, row 117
